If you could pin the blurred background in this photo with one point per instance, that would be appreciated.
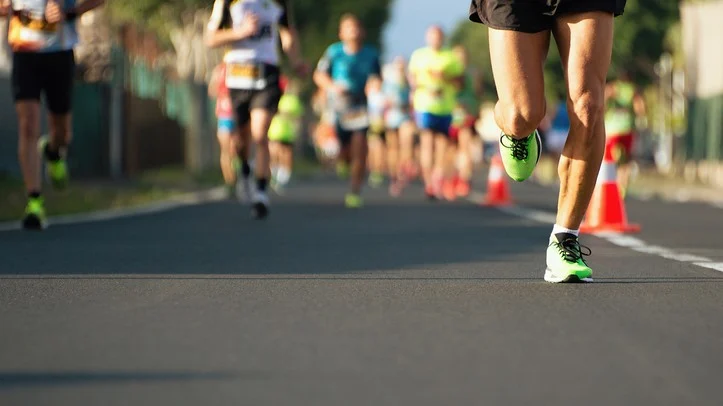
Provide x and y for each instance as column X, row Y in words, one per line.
column 141, row 101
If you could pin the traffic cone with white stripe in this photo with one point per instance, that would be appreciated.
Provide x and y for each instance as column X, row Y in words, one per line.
column 498, row 191
column 606, row 212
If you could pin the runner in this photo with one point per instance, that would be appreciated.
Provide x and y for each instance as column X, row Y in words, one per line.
column 399, row 126
column 251, row 29
column 434, row 73
column 377, row 103
column 282, row 134
column 624, row 105
column 519, row 37
column 227, row 133
column 343, row 72
column 42, row 35
column 462, row 134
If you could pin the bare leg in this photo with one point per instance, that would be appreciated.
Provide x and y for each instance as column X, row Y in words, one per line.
column 426, row 156
column 29, row 132
column 585, row 43
column 260, row 121
column 359, row 152
column 517, row 61
column 392, row 153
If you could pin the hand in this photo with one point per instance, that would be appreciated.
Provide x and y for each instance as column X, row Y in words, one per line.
column 249, row 26
column 337, row 89
column 53, row 13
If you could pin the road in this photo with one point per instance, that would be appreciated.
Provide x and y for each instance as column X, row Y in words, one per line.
column 404, row 302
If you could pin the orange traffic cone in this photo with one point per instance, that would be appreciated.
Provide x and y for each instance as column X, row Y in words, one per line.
column 498, row 192
column 606, row 211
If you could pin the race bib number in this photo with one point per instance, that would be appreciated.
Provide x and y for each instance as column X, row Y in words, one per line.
column 245, row 76
column 354, row 119
column 26, row 33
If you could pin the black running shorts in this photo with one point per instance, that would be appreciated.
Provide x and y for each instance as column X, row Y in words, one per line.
column 267, row 98
column 44, row 73
column 533, row 16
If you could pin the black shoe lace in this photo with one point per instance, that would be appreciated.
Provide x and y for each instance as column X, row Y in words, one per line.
column 518, row 147
column 572, row 250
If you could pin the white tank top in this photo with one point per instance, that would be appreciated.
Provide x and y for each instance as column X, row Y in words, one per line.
column 263, row 47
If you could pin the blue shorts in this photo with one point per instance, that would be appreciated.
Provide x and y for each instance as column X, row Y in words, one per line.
column 433, row 122
column 226, row 124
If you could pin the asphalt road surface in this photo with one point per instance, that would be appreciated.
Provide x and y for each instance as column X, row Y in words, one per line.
column 404, row 302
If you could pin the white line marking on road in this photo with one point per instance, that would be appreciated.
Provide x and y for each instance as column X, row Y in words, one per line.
column 718, row 266
column 189, row 199
column 620, row 240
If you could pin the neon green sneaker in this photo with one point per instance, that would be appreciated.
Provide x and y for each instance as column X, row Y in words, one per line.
column 376, row 179
column 565, row 262
column 57, row 170
column 520, row 157
column 353, row 201
column 34, row 215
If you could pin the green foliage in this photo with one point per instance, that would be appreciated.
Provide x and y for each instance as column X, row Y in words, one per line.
column 317, row 21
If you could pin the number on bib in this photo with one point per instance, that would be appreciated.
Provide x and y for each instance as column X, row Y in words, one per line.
column 244, row 76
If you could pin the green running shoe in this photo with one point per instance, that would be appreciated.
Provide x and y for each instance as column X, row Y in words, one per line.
column 57, row 170
column 376, row 179
column 520, row 157
column 35, row 215
column 565, row 262
column 353, row 201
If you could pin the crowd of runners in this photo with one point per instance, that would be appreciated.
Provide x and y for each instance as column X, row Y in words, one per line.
column 377, row 122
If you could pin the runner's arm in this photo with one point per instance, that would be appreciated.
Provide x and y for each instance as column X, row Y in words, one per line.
column 322, row 75
column 290, row 38
column 83, row 8
column 219, row 31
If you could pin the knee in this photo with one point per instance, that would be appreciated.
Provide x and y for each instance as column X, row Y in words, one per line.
column 520, row 119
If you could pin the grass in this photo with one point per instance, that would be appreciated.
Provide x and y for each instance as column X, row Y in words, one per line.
column 85, row 196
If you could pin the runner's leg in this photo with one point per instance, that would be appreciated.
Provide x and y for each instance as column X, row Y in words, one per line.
column 517, row 61
column 585, row 44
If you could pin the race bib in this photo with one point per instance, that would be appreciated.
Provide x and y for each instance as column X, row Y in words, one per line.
column 245, row 76
column 31, row 33
column 354, row 119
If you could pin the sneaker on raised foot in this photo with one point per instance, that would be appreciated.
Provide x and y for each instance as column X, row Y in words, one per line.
column 520, row 156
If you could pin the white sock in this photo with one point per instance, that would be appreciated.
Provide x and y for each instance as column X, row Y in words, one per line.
column 283, row 175
column 560, row 229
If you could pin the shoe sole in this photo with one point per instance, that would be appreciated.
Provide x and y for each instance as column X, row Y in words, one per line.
column 33, row 223
column 552, row 278
column 260, row 211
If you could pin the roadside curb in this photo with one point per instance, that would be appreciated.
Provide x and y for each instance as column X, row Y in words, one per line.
column 188, row 199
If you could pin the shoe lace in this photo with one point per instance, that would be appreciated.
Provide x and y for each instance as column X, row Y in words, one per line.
column 572, row 251
column 518, row 147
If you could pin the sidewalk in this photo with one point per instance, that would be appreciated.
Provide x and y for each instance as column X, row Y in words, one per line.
column 649, row 184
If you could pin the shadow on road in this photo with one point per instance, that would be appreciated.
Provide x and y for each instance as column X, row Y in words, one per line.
column 13, row 380
column 307, row 233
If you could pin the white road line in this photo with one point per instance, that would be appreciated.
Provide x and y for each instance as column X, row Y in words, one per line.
column 189, row 199
column 620, row 240
column 718, row 266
